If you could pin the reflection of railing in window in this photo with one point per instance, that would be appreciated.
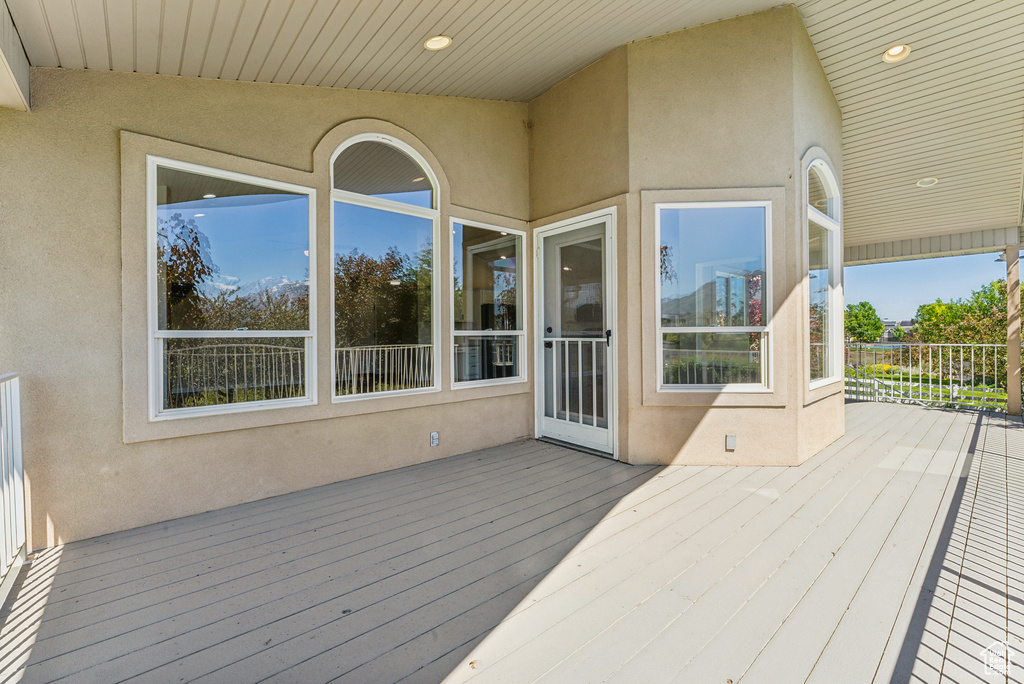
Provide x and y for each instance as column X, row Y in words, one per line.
column 383, row 368
column 503, row 352
column 819, row 360
column 711, row 367
column 485, row 358
column 215, row 374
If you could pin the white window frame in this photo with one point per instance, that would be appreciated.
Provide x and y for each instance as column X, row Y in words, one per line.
column 434, row 214
column 766, row 385
column 520, row 297
column 833, row 227
column 156, row 410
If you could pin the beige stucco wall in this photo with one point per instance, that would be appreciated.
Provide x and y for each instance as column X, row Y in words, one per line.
column 718, row 112
column 61, row 293
column 579, row 143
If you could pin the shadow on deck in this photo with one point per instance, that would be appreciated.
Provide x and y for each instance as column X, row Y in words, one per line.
column 385, row 578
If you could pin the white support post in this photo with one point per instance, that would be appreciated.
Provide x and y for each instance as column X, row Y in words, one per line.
column 1013, row 388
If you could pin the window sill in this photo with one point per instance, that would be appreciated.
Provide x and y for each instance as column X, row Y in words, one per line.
column 739, row 396
column 228, row 409
column 821, row 389
column 818, row 384
column 347, row 398
column 723, row 389
column 474, row 384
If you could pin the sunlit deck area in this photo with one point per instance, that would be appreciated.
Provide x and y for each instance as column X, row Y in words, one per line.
column 890, row 556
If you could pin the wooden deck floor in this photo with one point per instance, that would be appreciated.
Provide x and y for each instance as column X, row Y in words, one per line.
column 894, row 555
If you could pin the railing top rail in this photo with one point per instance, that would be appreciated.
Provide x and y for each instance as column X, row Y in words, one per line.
column 891, row 345
column 203, row 347
column 596, row 338
column 8, row 377
column 385, row 346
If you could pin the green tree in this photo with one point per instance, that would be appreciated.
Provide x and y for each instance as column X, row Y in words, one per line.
column 899, row 334
column 184, row 262
column 979, row 319
column 863, row 323
column 383, row 300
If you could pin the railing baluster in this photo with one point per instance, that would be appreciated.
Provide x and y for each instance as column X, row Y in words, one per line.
column 957, row 376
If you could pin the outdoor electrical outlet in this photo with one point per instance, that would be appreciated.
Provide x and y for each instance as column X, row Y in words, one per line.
column 434, row 439
column 730, row 442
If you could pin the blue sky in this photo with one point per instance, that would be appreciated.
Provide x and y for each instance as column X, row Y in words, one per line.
column 373, row 231
column 897, row 289
column 267, row 236
column 732, row 238
column 252, row 237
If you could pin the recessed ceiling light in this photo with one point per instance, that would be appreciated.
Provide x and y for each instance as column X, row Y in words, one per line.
column 927, row 182
column 417, row 180
column 821, row 203
column 437, row 43
column 566, row 268
column 198, row 215
column 209, row 196
column 896, row 53
column 504, row 233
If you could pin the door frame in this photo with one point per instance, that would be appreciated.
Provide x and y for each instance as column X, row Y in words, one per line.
column 608, row 216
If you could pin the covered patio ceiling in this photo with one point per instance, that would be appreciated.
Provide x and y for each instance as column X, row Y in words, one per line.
column 953, row 110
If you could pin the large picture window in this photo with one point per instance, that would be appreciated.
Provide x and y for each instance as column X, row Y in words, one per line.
column 385, row 225
column 487, row 304
column 713, row 293
column 231, row 291
column 822, row 245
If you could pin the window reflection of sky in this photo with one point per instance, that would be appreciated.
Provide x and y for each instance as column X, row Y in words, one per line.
column 252, row 238
column 698, row 238
column 374, row 231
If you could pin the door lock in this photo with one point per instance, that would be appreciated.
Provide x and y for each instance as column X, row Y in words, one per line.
column 549, row 329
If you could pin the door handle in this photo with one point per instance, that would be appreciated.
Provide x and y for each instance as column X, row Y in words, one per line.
column 608, row 337
column 547, row 345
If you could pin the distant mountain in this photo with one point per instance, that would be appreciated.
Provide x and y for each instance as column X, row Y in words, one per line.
column 273, row 285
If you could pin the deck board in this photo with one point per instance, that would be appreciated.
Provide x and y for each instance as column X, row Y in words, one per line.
column 893, row 555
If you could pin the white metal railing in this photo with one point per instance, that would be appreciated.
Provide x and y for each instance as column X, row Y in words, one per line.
column 211, row 374
column 12, row 501
column 383, row 368
column 971, row 376
column 710, row 367
column 575, row 385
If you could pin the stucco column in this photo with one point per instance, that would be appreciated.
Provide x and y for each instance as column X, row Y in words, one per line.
column 1012, row 330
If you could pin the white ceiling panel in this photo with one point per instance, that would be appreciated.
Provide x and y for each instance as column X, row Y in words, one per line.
column 954, row 109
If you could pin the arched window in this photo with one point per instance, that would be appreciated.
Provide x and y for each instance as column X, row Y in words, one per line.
column 823, row 245
column 385, row 228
